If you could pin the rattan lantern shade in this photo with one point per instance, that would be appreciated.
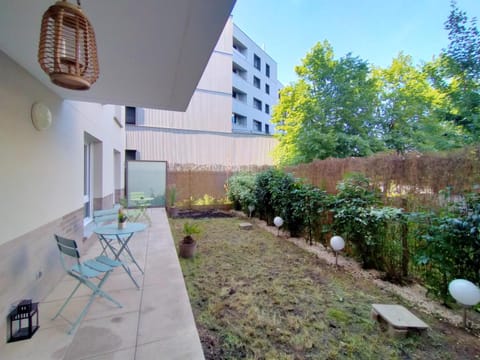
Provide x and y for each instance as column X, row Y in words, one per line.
column 67, row 51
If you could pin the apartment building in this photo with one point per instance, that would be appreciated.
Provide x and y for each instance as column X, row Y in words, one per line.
column 228, row 119
column 254, row 86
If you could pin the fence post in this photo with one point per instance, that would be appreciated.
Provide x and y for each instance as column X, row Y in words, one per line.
column 405, row 249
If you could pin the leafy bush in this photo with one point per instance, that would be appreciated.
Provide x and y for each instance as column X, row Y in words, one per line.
column 451, row 245
column 353, row 218
column 241, row 190
column 263, row 195
column 311, row 205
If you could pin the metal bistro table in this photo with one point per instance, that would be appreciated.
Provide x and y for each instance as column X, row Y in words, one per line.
column 109, row 233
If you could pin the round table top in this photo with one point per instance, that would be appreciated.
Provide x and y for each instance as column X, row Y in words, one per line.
column 112, row 229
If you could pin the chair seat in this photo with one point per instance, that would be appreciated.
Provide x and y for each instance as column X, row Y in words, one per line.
column 100, row 267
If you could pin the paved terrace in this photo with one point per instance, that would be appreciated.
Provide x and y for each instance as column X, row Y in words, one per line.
column 156, row 322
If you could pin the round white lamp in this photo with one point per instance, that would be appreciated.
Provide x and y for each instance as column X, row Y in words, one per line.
column 465, row 293
column 337, row 243
column 278, row 222
column 41, row 116
column 251, row 207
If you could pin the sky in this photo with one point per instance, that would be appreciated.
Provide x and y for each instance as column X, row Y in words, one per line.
column 374, row 30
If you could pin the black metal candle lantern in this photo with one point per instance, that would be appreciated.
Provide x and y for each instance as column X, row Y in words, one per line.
column 23, row 321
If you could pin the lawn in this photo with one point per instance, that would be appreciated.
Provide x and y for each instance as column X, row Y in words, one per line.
column 257, row 296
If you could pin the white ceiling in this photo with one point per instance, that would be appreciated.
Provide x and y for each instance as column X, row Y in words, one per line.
column 152, row 53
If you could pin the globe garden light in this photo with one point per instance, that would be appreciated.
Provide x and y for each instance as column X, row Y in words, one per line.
column 337, row 243
column 278, row 221
column 251, row 207
column 466, row 293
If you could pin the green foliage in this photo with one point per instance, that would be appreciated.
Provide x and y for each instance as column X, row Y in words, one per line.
column 311, row 205
column 329, row 111
column 263, row 195
column 172, row 195
column 456, row 73
column 451, row 245
column 240, row 190
column 353, row 216
column 191, row 228
column 409, row 110
column 340, row 107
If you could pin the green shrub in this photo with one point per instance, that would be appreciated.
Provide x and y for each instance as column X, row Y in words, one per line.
column 450, row 247
column 353, row 218
column 241, row 190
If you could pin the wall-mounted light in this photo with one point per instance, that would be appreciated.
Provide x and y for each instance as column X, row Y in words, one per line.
column 67, row 50
column 41, row 116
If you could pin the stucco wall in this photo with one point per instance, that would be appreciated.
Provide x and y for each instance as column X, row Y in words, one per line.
column 41, row 180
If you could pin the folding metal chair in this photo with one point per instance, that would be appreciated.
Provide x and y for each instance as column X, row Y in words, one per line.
column 100, row 268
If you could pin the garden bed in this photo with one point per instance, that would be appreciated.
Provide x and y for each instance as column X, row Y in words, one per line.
column 255, row 295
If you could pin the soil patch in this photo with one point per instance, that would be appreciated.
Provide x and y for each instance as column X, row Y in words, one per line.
column 203, row 214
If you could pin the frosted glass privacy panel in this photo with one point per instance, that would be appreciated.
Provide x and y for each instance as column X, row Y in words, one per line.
column 146, row 183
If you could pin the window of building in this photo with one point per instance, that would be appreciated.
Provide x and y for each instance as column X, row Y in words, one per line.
column 267, row 129
column 239, row 47
column 130, row 115
column 257, row 63
column 267, row 109
column 267, row 70
column 257, row 104
column 239, row 120
column 256, row 82
column 267, row 88
column 257, row 125
column 238, row 70
column 239, row 95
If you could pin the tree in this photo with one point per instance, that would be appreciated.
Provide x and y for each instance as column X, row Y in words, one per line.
column 329, row 111
column 457, row 72
column 408, row 110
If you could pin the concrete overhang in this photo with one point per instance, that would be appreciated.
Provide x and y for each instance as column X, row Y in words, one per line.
column 152, row 53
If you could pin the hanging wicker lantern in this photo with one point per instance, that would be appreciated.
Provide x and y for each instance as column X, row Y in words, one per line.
column 67, row 51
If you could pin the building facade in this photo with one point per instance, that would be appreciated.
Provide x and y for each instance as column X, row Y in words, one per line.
column 228, row 119
column 53, row 177
column 254, row 86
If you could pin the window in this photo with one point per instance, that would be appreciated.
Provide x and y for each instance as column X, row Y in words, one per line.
column 267, row 70
column 256, row 82
column 257, row 125
column 257, row 63
column 239, row 95
column 257, row 104
column 130, row 115
column 267, row 109
column 267, row 129
column 130, row 155
column 267, row 88
column 239, row 120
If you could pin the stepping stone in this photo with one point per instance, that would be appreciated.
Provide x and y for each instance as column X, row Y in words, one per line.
column 245, row 226
column 400, row 321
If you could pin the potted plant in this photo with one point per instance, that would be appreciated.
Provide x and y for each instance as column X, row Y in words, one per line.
column 188, row 244
column 172, row 198
column 122, row 218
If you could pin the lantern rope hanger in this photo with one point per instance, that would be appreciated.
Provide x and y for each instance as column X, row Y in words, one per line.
column 67, row 51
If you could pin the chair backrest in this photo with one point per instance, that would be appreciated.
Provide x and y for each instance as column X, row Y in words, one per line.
column 101, row 217
column 69, row 248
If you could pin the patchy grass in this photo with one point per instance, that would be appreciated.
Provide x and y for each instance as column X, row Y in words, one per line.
column 257, row 296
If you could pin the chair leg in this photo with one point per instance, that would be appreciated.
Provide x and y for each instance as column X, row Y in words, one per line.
column 97, row 291
column 66, row 301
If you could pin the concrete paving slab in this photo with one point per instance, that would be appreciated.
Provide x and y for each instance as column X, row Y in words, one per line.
column 156, row 319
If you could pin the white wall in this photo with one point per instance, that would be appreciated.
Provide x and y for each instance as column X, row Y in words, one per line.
column 41, row 172
column 200, row 148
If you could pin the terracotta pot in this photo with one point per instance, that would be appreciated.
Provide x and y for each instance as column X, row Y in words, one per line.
column 172, row 211
column 187, row 250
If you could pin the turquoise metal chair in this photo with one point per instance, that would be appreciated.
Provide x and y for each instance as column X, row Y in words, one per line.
column 100, row 267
